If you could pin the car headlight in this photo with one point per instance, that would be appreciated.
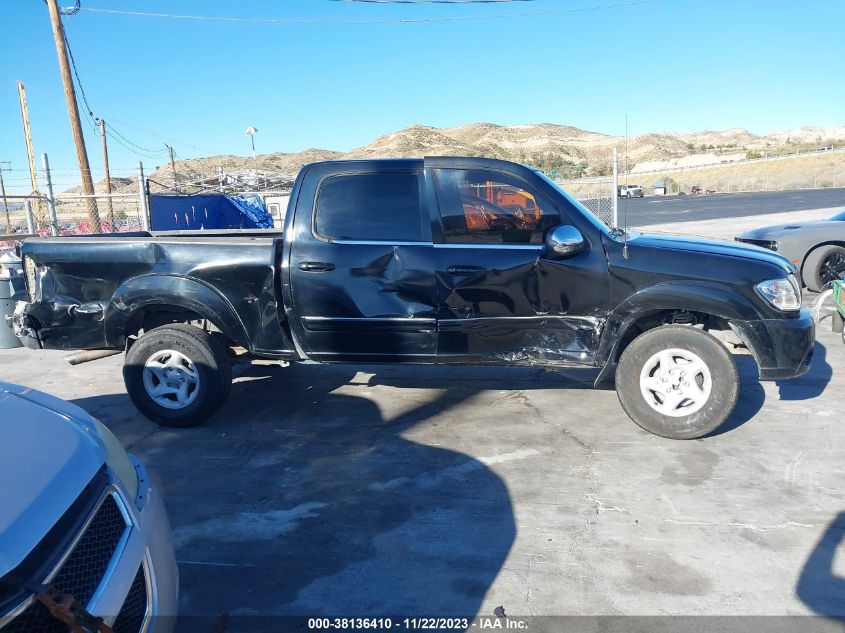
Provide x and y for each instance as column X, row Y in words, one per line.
column 118, row 460
column 782, row 294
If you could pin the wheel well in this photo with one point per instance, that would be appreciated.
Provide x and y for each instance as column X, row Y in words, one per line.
column 715, row 325
column 154, row 316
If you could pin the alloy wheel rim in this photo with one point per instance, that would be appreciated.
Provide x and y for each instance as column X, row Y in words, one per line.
column 676, row 382
column 832, row 268
column 171, row 379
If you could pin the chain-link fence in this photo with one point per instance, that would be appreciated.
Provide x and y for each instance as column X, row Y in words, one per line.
column 814, row 170
column 597, row 194
column 74, row 214
column 77, row 214
column 703, row 182
column 52, row 202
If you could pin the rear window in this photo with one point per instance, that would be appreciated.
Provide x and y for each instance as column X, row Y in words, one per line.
column 382, row 207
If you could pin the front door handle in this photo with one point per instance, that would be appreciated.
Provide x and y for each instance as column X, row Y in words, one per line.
column 316, row 267
column 465, row 270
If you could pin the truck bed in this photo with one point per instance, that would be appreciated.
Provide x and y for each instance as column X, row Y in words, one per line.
column 99, row 289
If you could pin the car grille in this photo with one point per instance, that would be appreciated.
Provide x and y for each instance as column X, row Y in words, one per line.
column 131, row 616
column 81, row 572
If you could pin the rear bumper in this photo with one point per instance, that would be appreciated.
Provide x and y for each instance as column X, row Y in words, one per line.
column 58, row 325
column 783, row 348
column 21, row 326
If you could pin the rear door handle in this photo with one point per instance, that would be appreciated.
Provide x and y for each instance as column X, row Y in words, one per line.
column 465, row 270
column 316, row 267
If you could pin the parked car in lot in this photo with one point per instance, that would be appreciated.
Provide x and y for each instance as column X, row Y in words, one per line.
column 630, row 191
column 78, row 516
column 441, row 260
column 817, row 248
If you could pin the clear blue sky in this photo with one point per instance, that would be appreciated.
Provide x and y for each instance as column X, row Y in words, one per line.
column 670, row 65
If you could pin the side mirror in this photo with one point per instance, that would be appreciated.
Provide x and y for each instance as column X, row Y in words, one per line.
column 564, row 240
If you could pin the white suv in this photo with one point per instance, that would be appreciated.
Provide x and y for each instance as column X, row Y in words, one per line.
column 630, row 191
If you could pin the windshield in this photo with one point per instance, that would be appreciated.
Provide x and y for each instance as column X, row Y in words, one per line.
column 839, row 216
column 601, row 226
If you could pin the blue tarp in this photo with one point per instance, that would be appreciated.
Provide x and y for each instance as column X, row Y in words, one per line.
column 208, row 211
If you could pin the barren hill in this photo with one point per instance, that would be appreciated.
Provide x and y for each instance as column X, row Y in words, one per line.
column 569, row 151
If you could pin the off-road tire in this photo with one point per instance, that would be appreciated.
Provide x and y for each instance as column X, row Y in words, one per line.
column 811, row 273
column 207, row 354
column 717, row 407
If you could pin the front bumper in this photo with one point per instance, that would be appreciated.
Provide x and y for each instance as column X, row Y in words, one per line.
column 783, row 348
column 148, row 552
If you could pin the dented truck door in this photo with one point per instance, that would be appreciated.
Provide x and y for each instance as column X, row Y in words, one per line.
column 361, row 271
column 500, row 298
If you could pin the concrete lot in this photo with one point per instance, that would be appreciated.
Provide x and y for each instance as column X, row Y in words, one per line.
column 331, row 489
column 429, row 490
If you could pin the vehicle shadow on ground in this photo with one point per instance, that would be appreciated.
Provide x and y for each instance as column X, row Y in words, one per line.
column 813, row 383
column 819, row 587
column 300, row 499
column 295, row 500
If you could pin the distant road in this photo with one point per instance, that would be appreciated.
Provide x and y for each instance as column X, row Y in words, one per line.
column 660, row 210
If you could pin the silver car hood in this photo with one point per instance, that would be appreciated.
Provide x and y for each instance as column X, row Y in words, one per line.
column 49, row 451
column 777, row 230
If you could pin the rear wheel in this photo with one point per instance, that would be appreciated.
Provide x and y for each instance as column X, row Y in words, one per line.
column 677, row 382
column 177, row 375
column 823, row 265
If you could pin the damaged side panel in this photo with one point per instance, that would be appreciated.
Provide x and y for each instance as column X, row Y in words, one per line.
column 519, row 307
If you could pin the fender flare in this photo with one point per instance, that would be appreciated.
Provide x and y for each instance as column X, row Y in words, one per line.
column 707, row 297
column 158, row 289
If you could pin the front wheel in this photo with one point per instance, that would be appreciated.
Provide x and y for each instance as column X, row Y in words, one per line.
column 177, row 375
column 677, row 382
column 824, row 265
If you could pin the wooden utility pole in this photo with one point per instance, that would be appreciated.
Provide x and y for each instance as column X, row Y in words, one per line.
column 107, row 177
column 73, row 114
column 5, row 204
column 30, row 154
column 172, row 167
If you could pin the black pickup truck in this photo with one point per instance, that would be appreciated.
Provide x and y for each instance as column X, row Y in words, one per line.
column 441, row 260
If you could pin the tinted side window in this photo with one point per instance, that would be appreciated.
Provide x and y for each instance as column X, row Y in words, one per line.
column 370, row 207
column 479, row 207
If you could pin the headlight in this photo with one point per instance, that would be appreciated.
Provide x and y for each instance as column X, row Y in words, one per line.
column 782, row 294
column 770, row 245
column 118, row 460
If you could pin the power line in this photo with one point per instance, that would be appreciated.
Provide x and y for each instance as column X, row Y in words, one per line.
column 110, row 128
column 95, row 120
column 289, row 21
column 167, row 138
column 125, row 145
